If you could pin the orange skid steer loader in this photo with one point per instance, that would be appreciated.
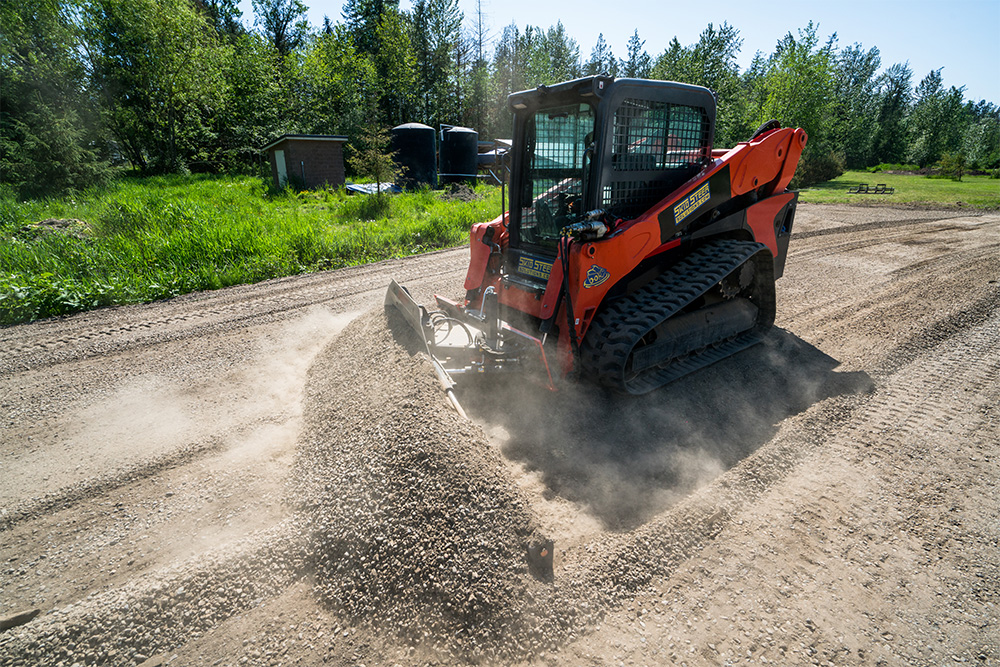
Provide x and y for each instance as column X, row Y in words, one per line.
column 633, row 252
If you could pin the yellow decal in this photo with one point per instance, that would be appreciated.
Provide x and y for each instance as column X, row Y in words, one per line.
column 535, row 268
column 690, row 204
column 596, row 275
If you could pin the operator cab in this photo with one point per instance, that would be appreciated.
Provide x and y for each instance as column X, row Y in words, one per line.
column 598, row 146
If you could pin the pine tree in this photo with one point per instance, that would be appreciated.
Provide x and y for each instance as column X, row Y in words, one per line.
column 283, row 22
column 602, row 60
column 437, row 38
column 50, row 138
column 638, row 64
column 224, row 16
column 362, row 18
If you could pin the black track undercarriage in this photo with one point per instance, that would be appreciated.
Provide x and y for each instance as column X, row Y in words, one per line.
column 713, row 303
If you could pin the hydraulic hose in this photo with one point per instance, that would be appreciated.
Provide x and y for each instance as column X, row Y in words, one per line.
column 564, row 246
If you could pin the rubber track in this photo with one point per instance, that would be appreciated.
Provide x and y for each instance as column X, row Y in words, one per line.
column 616, row 331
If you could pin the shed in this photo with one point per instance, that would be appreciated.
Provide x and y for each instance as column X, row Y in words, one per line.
column 308, row 160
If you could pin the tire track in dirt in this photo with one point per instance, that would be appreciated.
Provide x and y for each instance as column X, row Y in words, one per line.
column 931, row 398
column 656, row 550
column 967, row 268
column 209, row 312
column 907, row 420
column 869, row 226
column 934, row 366
column 186, row 454
column 872, row 235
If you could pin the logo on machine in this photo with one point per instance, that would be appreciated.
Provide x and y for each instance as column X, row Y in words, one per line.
column 690, row 204
column 534, row 267
column 595, row 276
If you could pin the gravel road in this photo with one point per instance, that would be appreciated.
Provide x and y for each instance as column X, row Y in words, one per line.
column 264, row 475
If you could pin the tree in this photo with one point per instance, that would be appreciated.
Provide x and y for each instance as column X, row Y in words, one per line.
column 255, row 108
column 892, row 102
column 982, row 139
column 602, row 60
column 563, row 53
column 637, row 64
column 798, row 87
column 952, row 165
column 394, row 68
column 507, row 76
column 50, row 138
column 223, row 15
column 479, row 72
column 674, row 64
column 373, row 159
column 527, row 59
column 537, row 67
column 362, row 18
column 436, row 35
column 158, row 67
column 283, row 23
column 514, row 65
column 338, row 87
column 711, row 62
column 855, row 103
column 937, row 123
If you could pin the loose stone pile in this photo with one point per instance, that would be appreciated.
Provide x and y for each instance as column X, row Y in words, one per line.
column 412, row 521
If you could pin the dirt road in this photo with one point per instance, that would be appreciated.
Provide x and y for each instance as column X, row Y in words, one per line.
column 261, row 476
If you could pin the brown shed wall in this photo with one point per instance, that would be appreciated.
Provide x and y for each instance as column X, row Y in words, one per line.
column 312, row 163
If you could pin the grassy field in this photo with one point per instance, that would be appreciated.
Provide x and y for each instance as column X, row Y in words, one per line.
column 973, row 191
column 153, row 238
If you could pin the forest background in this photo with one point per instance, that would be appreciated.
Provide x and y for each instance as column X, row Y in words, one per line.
column 91, row 87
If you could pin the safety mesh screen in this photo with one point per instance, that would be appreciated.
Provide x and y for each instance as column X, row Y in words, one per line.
column 652, row 136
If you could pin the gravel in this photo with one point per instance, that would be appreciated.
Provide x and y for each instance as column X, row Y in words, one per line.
column 130, row 624
column 411, row 518
column 829, row 497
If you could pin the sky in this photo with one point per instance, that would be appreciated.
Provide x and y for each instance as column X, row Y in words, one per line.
column 960, row 36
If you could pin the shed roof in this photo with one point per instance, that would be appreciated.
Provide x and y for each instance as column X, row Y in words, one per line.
column 305, row 137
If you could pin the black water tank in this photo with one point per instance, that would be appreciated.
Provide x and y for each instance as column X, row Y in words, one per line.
column 459, row 148
column 413, row 144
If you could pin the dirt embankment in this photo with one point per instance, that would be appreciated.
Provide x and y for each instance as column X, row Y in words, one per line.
column 243, row 477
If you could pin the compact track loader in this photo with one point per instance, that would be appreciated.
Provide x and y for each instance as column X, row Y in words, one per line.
column 633, row 252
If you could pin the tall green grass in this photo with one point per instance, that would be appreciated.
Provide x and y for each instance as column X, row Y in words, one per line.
column 147, row 239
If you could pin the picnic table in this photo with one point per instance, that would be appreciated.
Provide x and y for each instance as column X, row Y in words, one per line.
column 865, row 189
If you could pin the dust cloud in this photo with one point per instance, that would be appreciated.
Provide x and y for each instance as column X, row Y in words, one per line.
column 147, row 420
column 622, row 460
column 139, row 420
column 277, row 381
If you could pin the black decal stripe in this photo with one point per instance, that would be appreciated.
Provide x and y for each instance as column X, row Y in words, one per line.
column 720, row 189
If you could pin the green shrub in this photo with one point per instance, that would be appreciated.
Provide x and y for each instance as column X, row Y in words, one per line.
column 24, row 298
column 893, row 167
column 817, row 168
column 373, row 207
column 952, row 165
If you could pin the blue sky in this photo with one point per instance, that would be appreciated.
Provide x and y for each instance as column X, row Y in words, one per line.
column 961, row 36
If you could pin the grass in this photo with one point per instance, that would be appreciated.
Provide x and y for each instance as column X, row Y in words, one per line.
column 140, row 240
column 146, row 239
column 981, row 192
